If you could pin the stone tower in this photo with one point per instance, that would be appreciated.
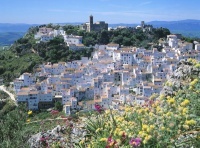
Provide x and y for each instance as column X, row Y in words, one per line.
column 142, row 24
column 91, row 19
column 91, row 23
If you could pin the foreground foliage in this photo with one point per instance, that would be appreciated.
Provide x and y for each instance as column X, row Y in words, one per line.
column 168, row 121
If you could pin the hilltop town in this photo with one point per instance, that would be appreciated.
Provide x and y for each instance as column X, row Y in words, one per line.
column 96, row 86
column 113, row 76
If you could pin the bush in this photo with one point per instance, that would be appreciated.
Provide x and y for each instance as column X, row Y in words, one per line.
column 58, row 106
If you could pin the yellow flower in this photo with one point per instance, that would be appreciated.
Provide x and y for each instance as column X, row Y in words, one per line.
column 197, row 65
column 103, row 139
column 144, row 127
column 30, row 112
column 152, row 127
column 142, row 134
column 145, row 141
column 170, row 100
column 119, row 141
column 186, row 127
column 148, row 137
column 185, row 102
column 185, row 110
column 162, row 97
column 168, row 114
column 121, row 133
column 81, row 142
column 162, row 128
column 190, row 122
column 28, row 120
column 193, row 82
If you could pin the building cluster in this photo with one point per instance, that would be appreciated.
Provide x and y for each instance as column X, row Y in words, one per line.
column 112, row 76
column 98, row 26
column 46, row 34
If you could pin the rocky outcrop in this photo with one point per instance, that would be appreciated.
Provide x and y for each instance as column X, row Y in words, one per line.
column 65, row 136
column 185, row 71
column 45, row 139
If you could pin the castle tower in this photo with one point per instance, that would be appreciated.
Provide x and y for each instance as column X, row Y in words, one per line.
column 142, row 24
column 91, row 19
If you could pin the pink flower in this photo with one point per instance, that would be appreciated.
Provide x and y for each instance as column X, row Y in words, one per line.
column 42, row 139
column 98, row 108
column 135, row 142
column 110, row 142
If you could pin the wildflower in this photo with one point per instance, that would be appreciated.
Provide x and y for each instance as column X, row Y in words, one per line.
column 185, row 110
column 98, row 108
column 148, row 137
column 42, row 139
column 152, row 127
column 144, row 127
column 186, row 127
column 119, row 141
column 103, row 139
column 170, row 100
column 135, row 142
column 30, row 112
column 123, row 136
column 190, row 122
column 197, row 65
column 110, row 142
column 162, row 97
column 81, row 142
column 162, row 128
column 193, row 82
column 185, row 102
column 28, row 120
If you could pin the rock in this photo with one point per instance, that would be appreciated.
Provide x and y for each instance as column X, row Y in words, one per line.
column 41, row 139
column 185, row 70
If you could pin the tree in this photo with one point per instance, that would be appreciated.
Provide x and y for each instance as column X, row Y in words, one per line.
column 89, row 41
column 58, row 106
column 126, row 41
column 103, row 37
column 118, row 39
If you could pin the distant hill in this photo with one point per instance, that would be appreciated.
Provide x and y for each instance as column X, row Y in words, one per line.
column 189, row 28
column 7, row 38
column 7, row 27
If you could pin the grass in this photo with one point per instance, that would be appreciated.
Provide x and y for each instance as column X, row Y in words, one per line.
column 43, row 121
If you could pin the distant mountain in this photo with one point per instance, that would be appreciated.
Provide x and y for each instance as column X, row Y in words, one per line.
column 7, row 27
column 190, row 28
column 7, row 38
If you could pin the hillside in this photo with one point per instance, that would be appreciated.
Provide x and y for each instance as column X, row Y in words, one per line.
column 25, row 53
column 171, row 119
column 168, row 120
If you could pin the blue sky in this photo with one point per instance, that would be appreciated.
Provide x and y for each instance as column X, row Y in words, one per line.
column 111, row 11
